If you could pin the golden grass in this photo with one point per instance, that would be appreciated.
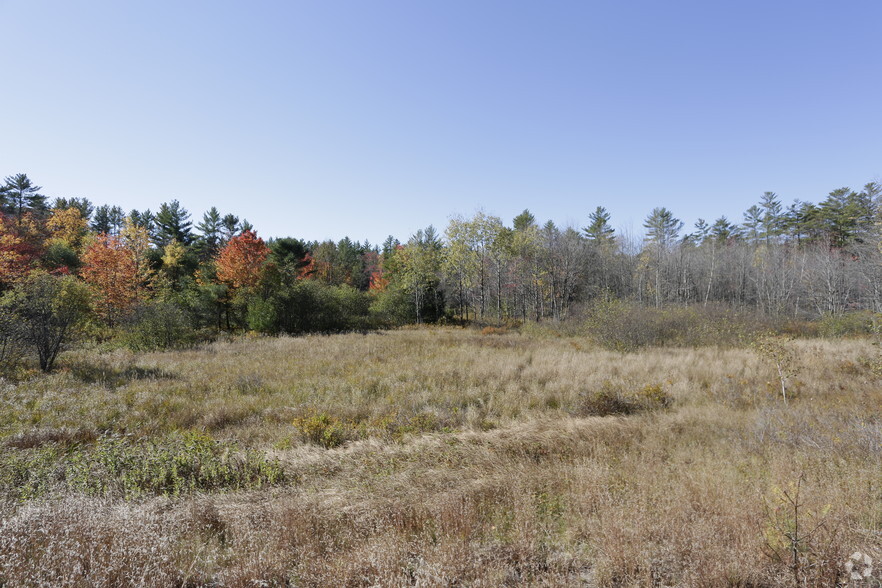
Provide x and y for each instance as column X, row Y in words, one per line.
column 469, row 460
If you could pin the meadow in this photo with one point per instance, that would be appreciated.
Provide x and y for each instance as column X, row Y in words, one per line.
column 445, row 457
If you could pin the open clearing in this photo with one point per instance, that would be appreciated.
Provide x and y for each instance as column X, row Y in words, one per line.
column 437, row 457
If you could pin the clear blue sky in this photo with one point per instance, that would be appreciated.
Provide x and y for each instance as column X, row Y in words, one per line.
column 323, row 119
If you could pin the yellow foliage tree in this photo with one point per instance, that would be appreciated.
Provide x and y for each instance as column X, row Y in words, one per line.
column 67, row 225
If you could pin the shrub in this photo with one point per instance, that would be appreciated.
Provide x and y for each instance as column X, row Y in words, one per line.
column 627, row 326
column 12, row 345
column 850, row 323
column 49, row 308
column 325, row 430
column 309, row 306
column 120, row 467
column 392, row 307
column 608, row 400
column 159, row 325
column 613, row 400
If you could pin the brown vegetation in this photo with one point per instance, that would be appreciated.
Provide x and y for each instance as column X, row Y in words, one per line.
column 437, row 457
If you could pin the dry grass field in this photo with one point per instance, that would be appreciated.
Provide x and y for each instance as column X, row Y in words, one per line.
column 444, row 457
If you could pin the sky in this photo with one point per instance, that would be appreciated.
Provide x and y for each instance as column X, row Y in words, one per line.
column 324, row 119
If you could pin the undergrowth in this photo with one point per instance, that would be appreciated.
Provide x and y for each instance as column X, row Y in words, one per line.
column 115, row 466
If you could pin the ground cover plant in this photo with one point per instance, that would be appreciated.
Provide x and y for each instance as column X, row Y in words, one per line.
column 444, row 456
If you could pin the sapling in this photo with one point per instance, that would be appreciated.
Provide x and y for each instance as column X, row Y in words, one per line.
column 775, row 349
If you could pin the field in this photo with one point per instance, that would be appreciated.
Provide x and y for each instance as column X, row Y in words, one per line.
column 439, row 457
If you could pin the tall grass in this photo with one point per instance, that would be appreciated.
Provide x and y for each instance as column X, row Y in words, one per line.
column 439, row 457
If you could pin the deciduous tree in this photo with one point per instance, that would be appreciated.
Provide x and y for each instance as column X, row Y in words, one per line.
column 111, row 271
column 49, row 308
column 240, row 261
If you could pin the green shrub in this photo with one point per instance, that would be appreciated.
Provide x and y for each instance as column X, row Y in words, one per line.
column 850, row 323
column 61, row 256
column 308, row 306
column 325, row 430
column 159, row 325
column 116, row 466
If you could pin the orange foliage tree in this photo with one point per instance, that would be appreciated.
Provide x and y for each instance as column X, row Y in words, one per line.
column 17, row 253
column 241, row 260
column 111, row 270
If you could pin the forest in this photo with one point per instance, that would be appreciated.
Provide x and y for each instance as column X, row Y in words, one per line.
column 162, row 279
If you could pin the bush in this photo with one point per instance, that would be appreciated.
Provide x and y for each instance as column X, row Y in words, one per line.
column 392, row 307
column 116, row 466
column 12, row 344
column 59, row 256
column 309, row 306
column 604, row 402
column 627, row 326
column 613, row 400
column 850, row 323
column 48, row 309
column 325, row 430
column 159, row 325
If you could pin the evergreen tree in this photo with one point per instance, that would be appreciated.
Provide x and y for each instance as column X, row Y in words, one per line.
column 173, row 224
column 772, row 221
column 662, row 228
column 287, row 253
column 837, row 215
column 524, row 220
column 82, row 204
column 210, row 229
column 144, row 220
column 21, row 195
column 117, row 218
column 753, row 220
column 722, row 231
column 230, row 227
column 702, row 230
column 101, row 221
column 662, row 231
column 599, row 230
column 390, row 245
column 866, row 209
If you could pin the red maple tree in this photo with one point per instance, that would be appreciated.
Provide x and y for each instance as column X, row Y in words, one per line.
column 240, row 262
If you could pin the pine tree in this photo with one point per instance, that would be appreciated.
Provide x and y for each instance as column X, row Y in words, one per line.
column 21, row 196
column 772, row 221
column 82, row 204
column 210, row 229
column 101, row 220
column 722, row 231
column 662, row 228
column 753, row 220
column 173, row 223
column 230, row 227
column 599, row 230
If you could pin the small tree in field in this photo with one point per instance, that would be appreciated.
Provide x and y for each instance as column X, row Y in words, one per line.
column 49, row 309
column 775, row 350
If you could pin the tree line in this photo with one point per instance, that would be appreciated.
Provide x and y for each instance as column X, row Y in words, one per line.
column 161, row 277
